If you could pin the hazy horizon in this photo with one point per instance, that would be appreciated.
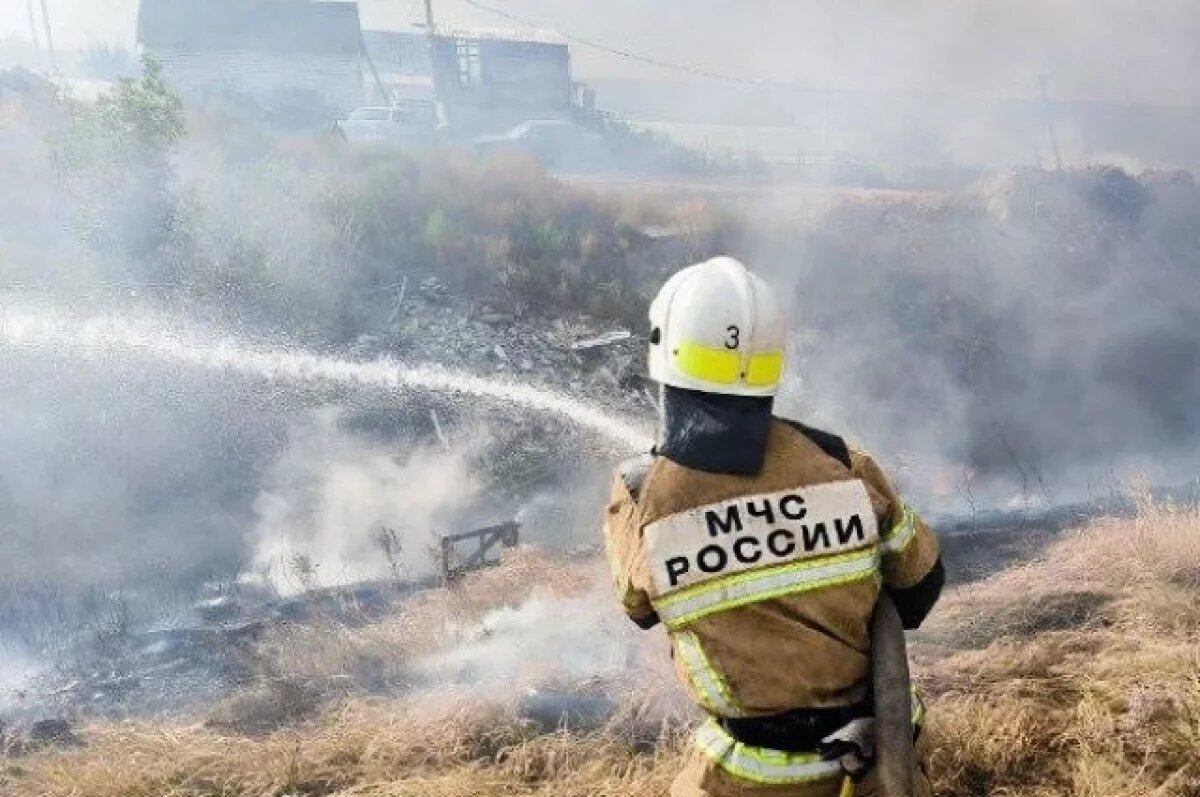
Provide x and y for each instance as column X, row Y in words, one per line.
column 1112, row 50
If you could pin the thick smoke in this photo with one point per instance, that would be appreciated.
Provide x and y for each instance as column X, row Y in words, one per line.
column 1119, row 50
column 208, row 459
column 113, row 472
column 1038, row 329
column 1035, row 332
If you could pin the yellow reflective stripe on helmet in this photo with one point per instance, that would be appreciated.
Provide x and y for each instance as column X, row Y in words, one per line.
column 719, row 366
column 710, row 686
column 686, row 606
column 902, row 533
column 758, row 764
column 765, row 369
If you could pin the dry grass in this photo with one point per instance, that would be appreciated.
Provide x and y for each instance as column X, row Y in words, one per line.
column 378, row 656
column 1077, row 674
column 363, row 748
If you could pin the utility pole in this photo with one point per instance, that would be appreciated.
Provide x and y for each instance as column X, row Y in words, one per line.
column 33, row 31
column 49, row 38
column 432, row 53
column 1050, row 122
column 825, row 140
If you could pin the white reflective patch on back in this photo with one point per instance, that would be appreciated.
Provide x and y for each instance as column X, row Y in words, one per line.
column 728, row 537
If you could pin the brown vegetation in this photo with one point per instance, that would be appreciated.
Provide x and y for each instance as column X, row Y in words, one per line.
column 330, row 657
column 1079, row 673
column 1075, row 674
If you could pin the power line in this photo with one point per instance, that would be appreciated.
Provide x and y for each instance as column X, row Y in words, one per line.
column 628, row 54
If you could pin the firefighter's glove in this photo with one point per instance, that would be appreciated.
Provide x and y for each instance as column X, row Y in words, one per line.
column 852, row 746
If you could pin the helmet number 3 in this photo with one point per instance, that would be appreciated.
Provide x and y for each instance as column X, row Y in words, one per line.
column 734, row 337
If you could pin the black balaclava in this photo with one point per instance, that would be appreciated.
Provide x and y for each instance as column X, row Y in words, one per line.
column 713, row 432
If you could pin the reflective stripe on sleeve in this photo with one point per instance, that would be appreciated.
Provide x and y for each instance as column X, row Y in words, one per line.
column 686, row 606
column 758, row 764
column 902, row 533
column 918, row 708
column 710, row 686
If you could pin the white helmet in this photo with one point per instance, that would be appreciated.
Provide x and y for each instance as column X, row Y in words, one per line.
column 717, row 328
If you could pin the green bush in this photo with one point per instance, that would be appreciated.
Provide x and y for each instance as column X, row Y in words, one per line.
column 314, row 236
column 113, row 164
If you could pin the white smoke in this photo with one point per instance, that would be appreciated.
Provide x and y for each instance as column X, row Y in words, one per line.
column 17, row 669
column 336, row 509
column 547, row 637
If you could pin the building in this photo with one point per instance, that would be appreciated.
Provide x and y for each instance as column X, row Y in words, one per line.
column 400, row 53
column 485, row 80
column 491, row 80
column 400, row 59
column 300, row 54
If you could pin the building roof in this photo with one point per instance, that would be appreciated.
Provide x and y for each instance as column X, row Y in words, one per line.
column 522, row 35
column 382, row 36
column 284, row 27
column 526, row 35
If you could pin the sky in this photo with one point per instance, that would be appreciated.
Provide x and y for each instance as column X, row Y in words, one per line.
column 1122, row 50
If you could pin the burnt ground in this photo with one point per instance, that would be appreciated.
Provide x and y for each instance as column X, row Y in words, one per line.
column 209, row 652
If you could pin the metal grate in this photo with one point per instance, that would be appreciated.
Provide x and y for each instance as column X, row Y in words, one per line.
column 482, row 548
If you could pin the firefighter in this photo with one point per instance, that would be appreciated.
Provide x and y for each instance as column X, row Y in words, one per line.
column 761, row 546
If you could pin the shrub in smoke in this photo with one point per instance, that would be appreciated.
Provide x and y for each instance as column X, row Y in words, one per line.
column 313, row 237
column 112, row 160
column 320, row 243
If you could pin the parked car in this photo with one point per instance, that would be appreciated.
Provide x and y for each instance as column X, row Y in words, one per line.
column 560, row 145
column 407, row 122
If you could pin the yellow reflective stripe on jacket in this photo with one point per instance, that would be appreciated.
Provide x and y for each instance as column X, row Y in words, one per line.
column 902, row 532
column 710, row 686
column 918, row 707
column 685, row 606
column 758, row 764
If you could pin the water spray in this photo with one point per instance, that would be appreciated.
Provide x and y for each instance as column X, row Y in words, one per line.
column 60, row 333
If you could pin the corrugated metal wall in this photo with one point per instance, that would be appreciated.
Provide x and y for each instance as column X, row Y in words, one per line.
column 528, row 75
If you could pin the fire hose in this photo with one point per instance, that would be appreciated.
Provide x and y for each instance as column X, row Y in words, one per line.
column 894, row 755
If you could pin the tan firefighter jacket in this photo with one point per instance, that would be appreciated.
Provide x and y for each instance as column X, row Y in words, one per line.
column 765, row 583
